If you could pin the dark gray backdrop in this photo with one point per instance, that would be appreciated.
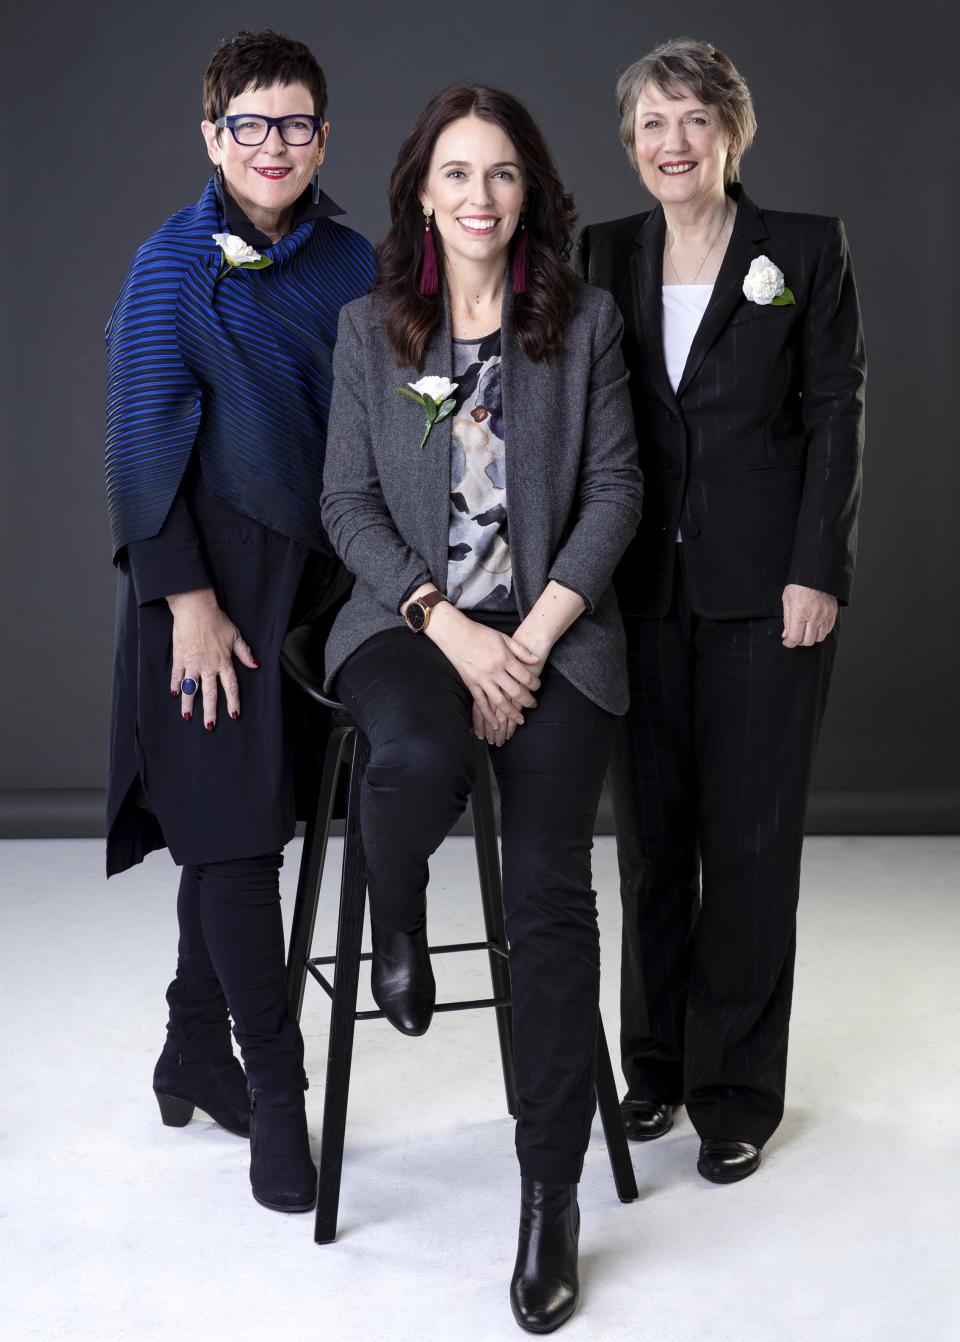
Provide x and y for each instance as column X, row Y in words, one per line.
column 857, row 107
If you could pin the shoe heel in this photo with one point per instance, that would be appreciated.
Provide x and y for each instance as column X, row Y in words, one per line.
column 174, row 1112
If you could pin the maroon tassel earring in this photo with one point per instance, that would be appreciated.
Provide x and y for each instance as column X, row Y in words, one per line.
column 520, row 261
column 429, row 278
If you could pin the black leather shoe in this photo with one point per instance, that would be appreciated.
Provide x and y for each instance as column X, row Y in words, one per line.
column 724, row 1162
column 645, row 1119
column 217, row 1087
column 545, row 1288
column 401, row 978
column 283, row 1176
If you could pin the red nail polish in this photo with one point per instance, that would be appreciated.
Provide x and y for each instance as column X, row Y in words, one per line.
column 187, row 717
column 256, row 660
column 174, row 693
column 234, row 715
column 209, row 726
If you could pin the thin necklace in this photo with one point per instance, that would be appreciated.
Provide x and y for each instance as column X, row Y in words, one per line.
column 723, row 224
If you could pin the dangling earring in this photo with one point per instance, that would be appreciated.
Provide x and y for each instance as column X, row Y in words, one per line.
column 219, row 174
column 520, row 261
column 316, row 185
column 429, row 277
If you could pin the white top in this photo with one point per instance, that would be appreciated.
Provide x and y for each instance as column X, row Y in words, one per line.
column 683, row 308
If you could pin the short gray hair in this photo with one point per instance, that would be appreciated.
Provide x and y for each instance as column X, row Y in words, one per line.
column 681, row 68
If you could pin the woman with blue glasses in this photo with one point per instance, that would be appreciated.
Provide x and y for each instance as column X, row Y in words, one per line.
column 219, row 360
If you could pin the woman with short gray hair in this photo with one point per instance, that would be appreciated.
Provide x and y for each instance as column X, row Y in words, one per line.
column 697, row 68
column 742, row 335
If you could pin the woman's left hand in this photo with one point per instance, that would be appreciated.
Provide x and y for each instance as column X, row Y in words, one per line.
column 808, row 615
column 505, row 727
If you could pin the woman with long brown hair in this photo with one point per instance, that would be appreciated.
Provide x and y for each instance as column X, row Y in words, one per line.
column 481, row 483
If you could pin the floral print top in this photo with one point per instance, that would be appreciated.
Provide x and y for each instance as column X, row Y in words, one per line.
column 479, row 573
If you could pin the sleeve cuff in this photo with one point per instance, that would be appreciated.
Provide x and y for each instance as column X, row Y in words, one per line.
column 159, row 575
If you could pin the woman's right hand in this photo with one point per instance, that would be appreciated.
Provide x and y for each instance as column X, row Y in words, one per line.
column 205, row 642
column 496, row 669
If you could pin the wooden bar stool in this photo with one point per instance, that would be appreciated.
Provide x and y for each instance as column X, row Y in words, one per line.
column 302, row 660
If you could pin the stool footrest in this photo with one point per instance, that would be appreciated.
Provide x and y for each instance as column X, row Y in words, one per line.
column 434, row 950
column 445, row 1006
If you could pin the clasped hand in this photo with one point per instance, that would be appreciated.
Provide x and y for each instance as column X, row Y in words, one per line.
column 500, row 673
column 205, row 642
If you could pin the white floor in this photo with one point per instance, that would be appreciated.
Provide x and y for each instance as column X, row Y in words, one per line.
column 112, row 1226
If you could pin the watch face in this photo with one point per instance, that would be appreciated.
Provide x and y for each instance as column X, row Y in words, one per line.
column 415, row 616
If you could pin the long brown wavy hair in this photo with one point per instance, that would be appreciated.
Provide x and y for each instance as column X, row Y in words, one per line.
column 539, row 315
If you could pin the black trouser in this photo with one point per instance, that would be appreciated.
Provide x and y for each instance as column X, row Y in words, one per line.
column 415, row 710
column 710, row 775
column 231, row 954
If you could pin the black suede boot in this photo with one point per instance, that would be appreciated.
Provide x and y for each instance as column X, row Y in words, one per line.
column 218, row 1086
column 545, row 1289
column 282, row 1173
column 401, row 978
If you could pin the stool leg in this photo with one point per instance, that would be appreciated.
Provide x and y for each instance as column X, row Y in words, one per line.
column 311, row 871
column 343, row 1014
column 612, row 1120
column 491, row 894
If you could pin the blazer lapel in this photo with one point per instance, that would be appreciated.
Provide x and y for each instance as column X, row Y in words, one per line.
column 522, row 393
column 439, row 361
column 646, row 267
column 433, row 482
column 748, row 230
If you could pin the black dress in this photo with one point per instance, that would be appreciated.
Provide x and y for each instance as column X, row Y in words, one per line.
column 214, row 795
column 251, row 359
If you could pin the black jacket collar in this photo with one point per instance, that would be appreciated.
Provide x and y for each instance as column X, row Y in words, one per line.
column 235, row 221
column 647, row 264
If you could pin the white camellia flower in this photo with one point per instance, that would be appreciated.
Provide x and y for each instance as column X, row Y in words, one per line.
column 763, row 282
column 437, row 388
column 235, row 250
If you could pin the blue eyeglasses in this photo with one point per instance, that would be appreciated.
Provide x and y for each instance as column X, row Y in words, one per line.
column 253, row 130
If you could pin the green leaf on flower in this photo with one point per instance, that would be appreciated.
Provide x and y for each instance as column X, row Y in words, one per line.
column 783, row 300
column 412, row 394
column 257, row 265
column 431, row 407
column 445, row 409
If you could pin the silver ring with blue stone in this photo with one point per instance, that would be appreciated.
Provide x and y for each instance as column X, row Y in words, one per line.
column 189, row 685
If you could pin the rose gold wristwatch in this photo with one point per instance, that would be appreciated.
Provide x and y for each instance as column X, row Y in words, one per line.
column 417, row 613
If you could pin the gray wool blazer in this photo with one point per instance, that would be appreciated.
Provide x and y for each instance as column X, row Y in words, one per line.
column 574, row 489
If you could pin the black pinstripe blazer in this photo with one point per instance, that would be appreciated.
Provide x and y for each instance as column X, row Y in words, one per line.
column 756, row 459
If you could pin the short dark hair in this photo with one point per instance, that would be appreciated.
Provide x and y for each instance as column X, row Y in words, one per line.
column 682, row 68
column 257, row 60
column 541, row 313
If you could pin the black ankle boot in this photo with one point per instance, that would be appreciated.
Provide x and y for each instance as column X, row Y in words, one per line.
column 545, row 1289
column 282, row 1173
column 216, row 1086
column 401, row 978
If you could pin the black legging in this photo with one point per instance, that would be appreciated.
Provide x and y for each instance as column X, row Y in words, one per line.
column 231, row 953
column 415, row 710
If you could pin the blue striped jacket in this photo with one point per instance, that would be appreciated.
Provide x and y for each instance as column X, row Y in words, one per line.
column 239, row 368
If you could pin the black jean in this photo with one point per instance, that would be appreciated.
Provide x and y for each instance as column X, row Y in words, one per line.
column 231, row 957
column 710, row 774
column 415, row 711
